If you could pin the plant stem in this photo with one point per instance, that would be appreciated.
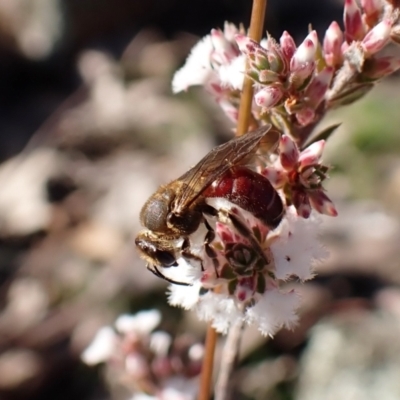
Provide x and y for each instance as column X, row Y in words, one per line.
column 208, row 363
column 228, row 361
column 255, row 33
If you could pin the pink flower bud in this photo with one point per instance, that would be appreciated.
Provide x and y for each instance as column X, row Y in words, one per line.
column 269, row 96
column 288, row 45
column 246, row 45
column 318, row 86
column 332, row 45
column 322, row 203
column 305, row 116
column 224, row 232
column 371, row 6
column 377, row 38
column 268, row 76
column 312, row 154
column 353, row 24
column 377, row 68
column 288, row 153
column 301, row 204
column 230, row 30
column 305, row 53
column 276, row 176
column 276, row 58
column 372, row 10
column 261, row 59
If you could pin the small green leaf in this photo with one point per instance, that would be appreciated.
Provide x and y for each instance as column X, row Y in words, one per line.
column 227, row 272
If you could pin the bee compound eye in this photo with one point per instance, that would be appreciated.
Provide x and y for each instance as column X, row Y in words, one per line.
column 165, row 258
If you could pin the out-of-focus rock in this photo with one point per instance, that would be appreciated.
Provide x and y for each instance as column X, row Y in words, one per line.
column 261, row 381
column 352, row 356
column 18, row 367
column 96, row 242
column 363, row 238
column 391, row 194
column 27, row 304
column 24, row 208
column 33, row 26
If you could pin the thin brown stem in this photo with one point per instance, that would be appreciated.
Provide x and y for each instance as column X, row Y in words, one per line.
column 208, row 363
column 255, row 33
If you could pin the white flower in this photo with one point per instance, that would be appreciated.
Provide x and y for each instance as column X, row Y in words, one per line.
column 220, row 309
column 142, row 396
column 197, row 69
column 141, row 323
column 160, row 342
column 216, row 63
column 274, row 310
column 179, row 388
column 101, row 348
column 232, row 74
column 297, row 247
column 184, row 296
column 249, row 288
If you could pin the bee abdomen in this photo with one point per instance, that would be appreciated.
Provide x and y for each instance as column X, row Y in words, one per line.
column 250, row 191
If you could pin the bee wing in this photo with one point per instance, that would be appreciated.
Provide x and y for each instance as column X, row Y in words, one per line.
column 237, row 151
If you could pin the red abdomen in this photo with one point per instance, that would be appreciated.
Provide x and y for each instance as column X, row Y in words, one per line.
column 250, row 191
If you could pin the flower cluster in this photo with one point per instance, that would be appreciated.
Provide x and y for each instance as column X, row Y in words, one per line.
column 295, row 86
column 300, row 176
column 217, row 64
column 244, row 281
column 244, row 267
column 149, row 362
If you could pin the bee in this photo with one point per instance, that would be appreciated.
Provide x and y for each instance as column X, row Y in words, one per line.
column 177, row 209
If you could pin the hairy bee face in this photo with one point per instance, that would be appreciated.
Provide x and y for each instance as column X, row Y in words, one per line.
column 156, row 250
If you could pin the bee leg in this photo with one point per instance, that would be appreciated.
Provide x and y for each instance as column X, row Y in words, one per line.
column 211, row 253
column 159, row 274
column 185, row 251
column 227, row 217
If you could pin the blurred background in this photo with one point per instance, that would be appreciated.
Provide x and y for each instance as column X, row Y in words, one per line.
column 88, row 130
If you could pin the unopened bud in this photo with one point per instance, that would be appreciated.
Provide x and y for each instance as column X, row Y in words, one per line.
column 288, row 153
column 301, row 204
column 372, row 10
column 377, row 68
column 268, row 76
column 312, row 154
column 318, row 86
column 322, row 203
column 288, row 45
column 275, row 176
column 261, row 59
column 305, row 53
column 246, row 45
column 377, row 38
column 332, row 45
column 269, row 96
column 354, row 28
column 305, row 116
